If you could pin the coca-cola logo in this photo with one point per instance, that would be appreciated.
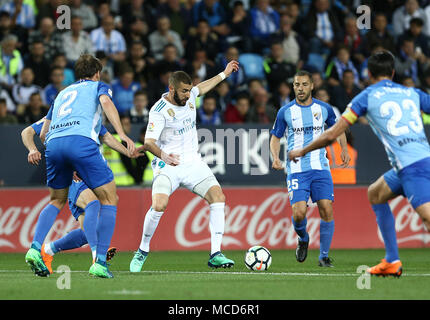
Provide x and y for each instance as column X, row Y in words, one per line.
column 20, row 222
column 266, row 223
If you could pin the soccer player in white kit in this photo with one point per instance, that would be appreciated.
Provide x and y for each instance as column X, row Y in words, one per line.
column 171, row 136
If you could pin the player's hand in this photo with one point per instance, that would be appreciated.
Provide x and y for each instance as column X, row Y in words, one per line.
column 277, row 164
column 130, row 144
column 140, row 151
column 76, row 177
column 170, row 159
column 293, row 155
column 345, row 158
column 34, row 157
column 231, row 67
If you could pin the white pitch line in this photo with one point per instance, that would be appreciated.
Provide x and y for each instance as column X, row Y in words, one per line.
column 310, row 274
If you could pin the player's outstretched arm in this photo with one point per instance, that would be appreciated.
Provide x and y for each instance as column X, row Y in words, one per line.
column 114, row 144
column 211, row 83
column 170, row 159
column 27, row 136
column 113, row 116
column 275, row 147
column 322, row 141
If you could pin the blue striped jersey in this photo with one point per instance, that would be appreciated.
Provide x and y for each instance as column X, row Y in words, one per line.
column 394, row 114
column 301, row 125
column 77, row 110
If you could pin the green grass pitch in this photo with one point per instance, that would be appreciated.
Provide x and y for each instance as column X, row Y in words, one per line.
column 185, row 276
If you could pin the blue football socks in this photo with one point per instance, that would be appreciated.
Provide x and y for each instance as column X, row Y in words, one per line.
column 300, row 228
column 105, row 229
column 74, row 239
column 44, row 224
column 386, row 224
column 92, row 211
column 326, row 235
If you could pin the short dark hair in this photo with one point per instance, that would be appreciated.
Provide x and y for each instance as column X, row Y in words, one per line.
column 417, row 21
column 178, row 77
column 140, row 92
column 381, row 64
column 87, row 66
column 304, row 73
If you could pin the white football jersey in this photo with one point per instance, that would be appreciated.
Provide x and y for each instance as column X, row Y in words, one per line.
column 174, row 127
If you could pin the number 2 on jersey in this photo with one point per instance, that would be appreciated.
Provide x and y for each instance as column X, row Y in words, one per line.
column 396, row 115
column 69, row 97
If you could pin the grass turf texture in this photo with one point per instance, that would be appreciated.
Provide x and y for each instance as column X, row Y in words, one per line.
column 185, row 275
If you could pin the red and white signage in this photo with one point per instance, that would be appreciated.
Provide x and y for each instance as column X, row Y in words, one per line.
column 253, row 216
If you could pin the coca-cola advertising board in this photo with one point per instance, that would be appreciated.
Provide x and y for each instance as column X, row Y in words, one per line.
column 253, row 216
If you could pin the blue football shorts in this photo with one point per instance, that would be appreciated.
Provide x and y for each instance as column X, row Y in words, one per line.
column 415, row 180
column 393, row 182
column 67, row 154
column 75, row 190
column 317, row 184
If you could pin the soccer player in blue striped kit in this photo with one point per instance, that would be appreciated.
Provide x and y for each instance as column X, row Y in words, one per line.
column 72, row 144
column 301, row 121
column 394, row 114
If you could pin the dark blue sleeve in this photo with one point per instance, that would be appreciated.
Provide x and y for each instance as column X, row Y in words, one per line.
column 103, row 131
column 49, row 115
column 102, row 89
column 37, row 126
column 331, row 118
column 424, row 100
column 359, row 104
column 280, row 125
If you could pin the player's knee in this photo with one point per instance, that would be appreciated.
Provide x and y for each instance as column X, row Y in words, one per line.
column 217, row 197
column 373, row 194
column 299, row 213
column 326, row 213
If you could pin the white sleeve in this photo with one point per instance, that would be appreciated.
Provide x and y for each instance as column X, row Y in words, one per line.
column 156, row 123
column 194, row 93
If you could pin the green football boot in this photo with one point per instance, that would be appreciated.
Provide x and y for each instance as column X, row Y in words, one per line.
column 100, row 269
column 137, row 262
column 218, row 260
column 35, row 261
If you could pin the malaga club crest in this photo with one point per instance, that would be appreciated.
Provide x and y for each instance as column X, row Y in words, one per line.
column 317, row 115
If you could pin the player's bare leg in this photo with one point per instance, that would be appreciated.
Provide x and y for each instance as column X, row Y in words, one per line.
column 216, row 200
column 325, row 209
column 379, row 193
column 299, row 221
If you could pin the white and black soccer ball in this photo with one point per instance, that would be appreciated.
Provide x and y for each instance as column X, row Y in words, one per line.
column 258, row 258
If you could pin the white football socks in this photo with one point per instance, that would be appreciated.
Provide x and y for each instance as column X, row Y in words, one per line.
column 216, row 225
column 152, row 218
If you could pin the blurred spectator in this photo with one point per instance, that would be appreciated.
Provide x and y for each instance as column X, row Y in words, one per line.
column 223, row 95
column 409, row 62
column 139, row 112
column 5, row 116
column 414, row 32
column 403, row 15
column 139, row 63
column 282, row 95
column 364, row 72
column 48, row 10
column 109, row 40
column 178, row 14
column 276, row 68
column 107, row 73
column 86, row 13
column 22, row 14
column 338, row 65
column 293, row 44
column 261, row 110
column 208, row 113
column 293, row 11
column 342, row 94
column 379, row 35
column 56, row 85
column 407, row 81
column 213, row 12
column 11, row 62
column 425, row 84
column 52, row 40
column 323, row 95
column 317, row 80
column 163, row 36
column 37, row 62
column 170, row 61
column 124, row 89
column 6, row 28
column 238, row 111
column 264, row 23
column 239, row 24
column 137, row 9
column 158, row 85
column 204, row 39
column 76, row 41
column 22, row 91
column 34, row 110
column 237, row 79
column 137, row 31
column 61, row 62
column 201, row 66
column 352, row 40
column 323, row 27
column 253, row 86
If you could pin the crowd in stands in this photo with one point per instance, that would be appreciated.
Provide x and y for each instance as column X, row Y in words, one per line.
column 140, row 42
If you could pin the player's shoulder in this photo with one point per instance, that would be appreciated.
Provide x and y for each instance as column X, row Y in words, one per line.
column 287, row 106
column 323, row 104
column 160, row 106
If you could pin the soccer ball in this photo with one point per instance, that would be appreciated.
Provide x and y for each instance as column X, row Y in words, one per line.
column 258, row 258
